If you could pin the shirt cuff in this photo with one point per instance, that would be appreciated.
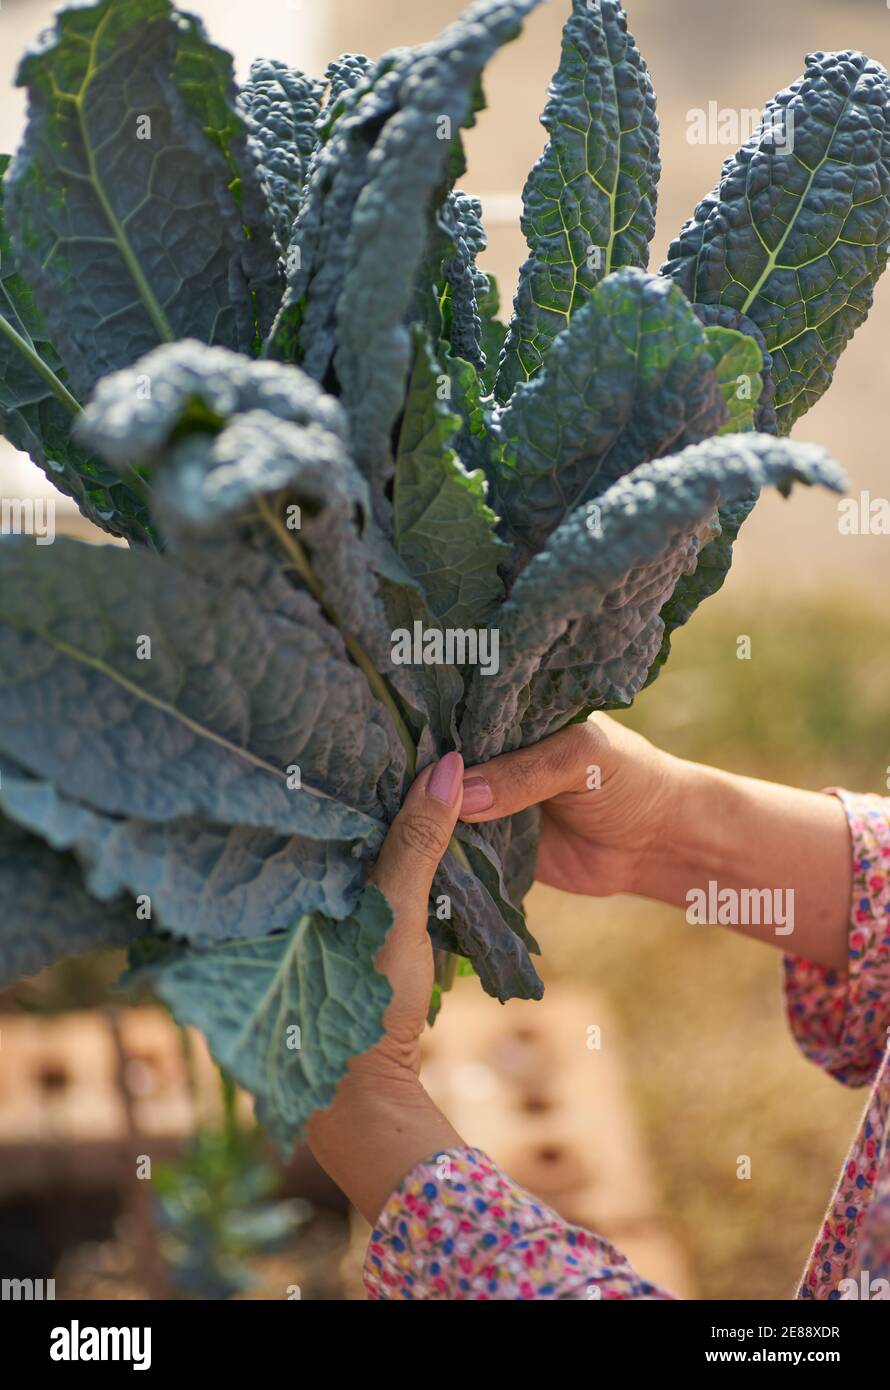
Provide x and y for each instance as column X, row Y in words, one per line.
column 458, row 1228
column 840, row 1020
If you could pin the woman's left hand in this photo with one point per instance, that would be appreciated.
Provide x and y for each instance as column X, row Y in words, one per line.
column 416, row 842
column 382, row 1122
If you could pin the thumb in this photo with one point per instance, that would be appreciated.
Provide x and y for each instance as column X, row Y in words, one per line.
column 561, row 763
column 418, row 838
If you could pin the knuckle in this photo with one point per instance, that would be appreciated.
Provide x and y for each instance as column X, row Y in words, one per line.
column 545, row 764
column 598, row 729
column 422, row 836
column 559, row 754
column 525, row 774
column 589, row 744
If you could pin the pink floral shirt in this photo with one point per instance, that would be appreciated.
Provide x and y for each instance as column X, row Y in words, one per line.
column 458, row 1228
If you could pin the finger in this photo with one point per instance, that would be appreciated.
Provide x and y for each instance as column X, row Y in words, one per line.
column 418, row 838
column 561, row 763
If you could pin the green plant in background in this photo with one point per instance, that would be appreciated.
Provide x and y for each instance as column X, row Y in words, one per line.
column 247, row 331
column 215, row 1208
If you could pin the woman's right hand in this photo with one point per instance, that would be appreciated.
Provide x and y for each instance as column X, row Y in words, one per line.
column 620, row 816
column 606, row 795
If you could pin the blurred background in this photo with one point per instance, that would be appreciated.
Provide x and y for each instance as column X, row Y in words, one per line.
column 643, row 1135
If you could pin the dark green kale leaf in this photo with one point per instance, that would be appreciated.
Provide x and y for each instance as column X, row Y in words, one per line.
column 485, row 926
column 46, row 910
column 411, row 160
column 38, row 410
column 246, row 456
column 583, row 624
column 281, row 107
column 242, row 683
column 707, row 578
column 304, row 330
column 464, row 287
column 797, row 231
column 134, row 204
column 284, row 1014
column 391, row 156
column 589, row 203
column 630, row 379
column 443, row 529
column 344, row 73
column 203, row 880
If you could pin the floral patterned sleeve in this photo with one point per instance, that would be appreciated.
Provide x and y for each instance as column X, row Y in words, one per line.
column 841, row 1021
column 458, row 1228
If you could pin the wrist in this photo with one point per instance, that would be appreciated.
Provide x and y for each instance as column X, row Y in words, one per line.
column 703, row 831
column 381, row 1124
column 668, row 848
column 779, row 856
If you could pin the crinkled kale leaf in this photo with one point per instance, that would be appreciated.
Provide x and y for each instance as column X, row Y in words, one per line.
column 630, row 379
column 589, row 203
column 796, row 233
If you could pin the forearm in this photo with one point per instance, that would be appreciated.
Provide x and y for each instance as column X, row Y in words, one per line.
column 372, row 1136
column 726, row 832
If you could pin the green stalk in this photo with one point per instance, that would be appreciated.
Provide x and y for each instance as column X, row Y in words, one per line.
column 26, row 348
column 229, row 1093
column 446, row 968
column 37, row 364
column 457, row 850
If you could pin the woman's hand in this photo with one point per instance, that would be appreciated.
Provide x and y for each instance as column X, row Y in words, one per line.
column 382, row 1122
column 606, row 797
column 416, row 842
column 620, row 816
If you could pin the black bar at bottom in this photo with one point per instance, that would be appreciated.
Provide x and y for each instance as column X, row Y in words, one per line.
column 263, row 1339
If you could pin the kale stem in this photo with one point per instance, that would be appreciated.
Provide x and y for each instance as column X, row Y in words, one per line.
column 445, row 967
column 59, row 389
column 457, row 851
column 37, row 364
column 379, row 685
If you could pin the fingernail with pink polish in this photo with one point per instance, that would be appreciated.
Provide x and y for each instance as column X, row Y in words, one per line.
column 478, row 796
column 445, row 783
